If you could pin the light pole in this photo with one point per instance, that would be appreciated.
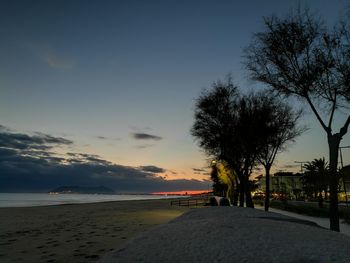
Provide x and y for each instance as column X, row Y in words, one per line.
column 301, row 165
column 342, row 166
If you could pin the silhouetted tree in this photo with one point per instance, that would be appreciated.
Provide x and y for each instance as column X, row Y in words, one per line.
column 214, row 119
column 298, row 56
column 279, row 127
column 242, row 129
column 316, row 178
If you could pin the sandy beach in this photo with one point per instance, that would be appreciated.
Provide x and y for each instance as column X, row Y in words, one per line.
column 79, row 232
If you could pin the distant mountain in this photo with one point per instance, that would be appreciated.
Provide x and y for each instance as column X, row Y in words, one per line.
column 82, row 190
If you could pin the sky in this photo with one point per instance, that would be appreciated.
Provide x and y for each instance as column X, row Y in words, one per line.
column 103, row 92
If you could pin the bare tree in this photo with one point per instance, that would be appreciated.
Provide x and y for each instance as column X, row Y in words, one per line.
column 298, row 56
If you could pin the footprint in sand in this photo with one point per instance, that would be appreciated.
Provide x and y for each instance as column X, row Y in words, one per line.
column 5, row 244
column 92, row 256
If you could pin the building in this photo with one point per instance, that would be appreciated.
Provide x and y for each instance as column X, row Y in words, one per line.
column 285, row 184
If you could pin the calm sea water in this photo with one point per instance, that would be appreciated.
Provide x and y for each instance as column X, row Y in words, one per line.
column 42, row 199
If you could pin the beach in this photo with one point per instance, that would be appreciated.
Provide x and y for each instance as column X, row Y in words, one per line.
column 77, row 232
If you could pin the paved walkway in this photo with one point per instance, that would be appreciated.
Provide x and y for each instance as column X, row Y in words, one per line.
column 235, row 234
column 321, row 221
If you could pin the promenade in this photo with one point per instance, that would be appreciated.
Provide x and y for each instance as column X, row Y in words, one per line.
column 321, row 221
column 234, row 234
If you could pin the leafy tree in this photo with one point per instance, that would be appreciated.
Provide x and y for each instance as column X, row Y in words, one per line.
column 241, row 130
column 316, row 178
column 225, row 180
column 279, row 128
column 218, row 187
column 298, row 56
column 214, row 119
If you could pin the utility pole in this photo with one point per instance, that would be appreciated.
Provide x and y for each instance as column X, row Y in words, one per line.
column 301, row 165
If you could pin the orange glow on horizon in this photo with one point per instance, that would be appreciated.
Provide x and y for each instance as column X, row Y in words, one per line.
column 184, row 192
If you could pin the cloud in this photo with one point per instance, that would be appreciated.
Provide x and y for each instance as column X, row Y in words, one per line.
column 144, row 146
column 57, row 62
column 39, row 141
column 52, row 57
column 289, row 166
column 3, row 128
column 29, row 163
column 106, row 138
column 152, row 169
column 145, row 136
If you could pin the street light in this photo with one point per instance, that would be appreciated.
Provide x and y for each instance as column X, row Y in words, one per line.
column 342, row 166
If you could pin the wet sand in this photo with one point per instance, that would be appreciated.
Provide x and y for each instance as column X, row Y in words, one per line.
column 77, row 233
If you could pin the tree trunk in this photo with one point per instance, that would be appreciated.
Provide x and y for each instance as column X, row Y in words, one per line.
column 333, row 143
column 320, row 200
column 267, row 190
column 235, row 196
column 241, row 192
column 248, row 194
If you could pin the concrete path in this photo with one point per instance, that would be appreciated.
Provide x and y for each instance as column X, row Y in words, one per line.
column 321, row 221
column 234, row 234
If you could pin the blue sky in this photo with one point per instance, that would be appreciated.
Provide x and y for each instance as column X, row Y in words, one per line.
column 98, row 72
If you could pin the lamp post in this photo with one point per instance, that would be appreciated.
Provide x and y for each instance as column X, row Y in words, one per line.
column 301, row 165
column 342, row 166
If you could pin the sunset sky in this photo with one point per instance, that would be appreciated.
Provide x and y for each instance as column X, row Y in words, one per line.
column 111, row 85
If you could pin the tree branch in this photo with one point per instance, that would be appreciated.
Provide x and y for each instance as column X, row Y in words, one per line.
column 344, row 129
column 333, row 110
column 327, row 129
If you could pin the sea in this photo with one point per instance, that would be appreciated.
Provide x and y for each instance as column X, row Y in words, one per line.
column 44, row 199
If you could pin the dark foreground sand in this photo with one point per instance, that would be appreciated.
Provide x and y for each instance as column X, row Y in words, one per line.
column 77, row 233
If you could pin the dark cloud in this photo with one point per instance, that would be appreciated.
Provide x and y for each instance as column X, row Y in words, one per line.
column 3, row 128
column 23, row 141
column 26, row 165
column 101, row 137
column 289, row 166
column 152, row 169
column 145, row 136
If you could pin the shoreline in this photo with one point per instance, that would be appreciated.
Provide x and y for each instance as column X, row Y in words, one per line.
column 46, row 199
column 77, row 232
